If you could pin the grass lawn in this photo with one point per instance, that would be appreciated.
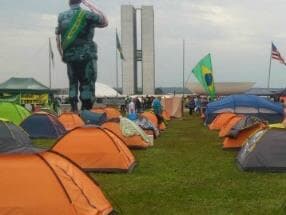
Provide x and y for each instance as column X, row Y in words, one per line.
column 187, row 172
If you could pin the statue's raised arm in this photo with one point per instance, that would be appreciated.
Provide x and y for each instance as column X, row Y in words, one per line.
column 94, row 9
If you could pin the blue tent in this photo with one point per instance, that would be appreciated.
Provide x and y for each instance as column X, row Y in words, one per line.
column 43, row 125
column 247, row 105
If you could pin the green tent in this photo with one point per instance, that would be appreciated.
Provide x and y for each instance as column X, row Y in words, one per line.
column 13, row 112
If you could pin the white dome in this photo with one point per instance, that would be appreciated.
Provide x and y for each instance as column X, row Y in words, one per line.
column 102, row 90
column 223, row 88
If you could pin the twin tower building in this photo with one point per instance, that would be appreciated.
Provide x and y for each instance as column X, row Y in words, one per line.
column 136, row 54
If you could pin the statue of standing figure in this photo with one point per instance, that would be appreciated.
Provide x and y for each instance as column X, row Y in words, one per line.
column 75, row 32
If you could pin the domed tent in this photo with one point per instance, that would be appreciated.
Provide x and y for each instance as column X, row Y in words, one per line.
column 221, row 120
column 152, row 118
column 245, row 123
column 264, row 151
column 95, row 149
column 43, row 125
column 130, row 128
column 14, row 139
column 70, row 121
column 133, row 142
column 110, row 112
column 227, row 127
column 13, row 112
column 48, row 184
column 242, row 137
column 246, row 105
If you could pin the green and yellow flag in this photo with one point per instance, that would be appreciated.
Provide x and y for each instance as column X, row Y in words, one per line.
column 203, row 72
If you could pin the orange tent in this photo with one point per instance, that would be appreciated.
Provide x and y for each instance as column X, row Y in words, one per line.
column 227, row 127
column 173, row 105
column 166, row 115
column 152, row 118
column 134, row 142
column 48, row 184
column 71, row 120
column 110, row 112
column 95, row 149
column 236, row 143
column 221, row 120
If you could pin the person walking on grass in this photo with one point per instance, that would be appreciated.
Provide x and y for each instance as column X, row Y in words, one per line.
column 75, row 33
column 191, row 105
column 197, row 104
column 157, row 108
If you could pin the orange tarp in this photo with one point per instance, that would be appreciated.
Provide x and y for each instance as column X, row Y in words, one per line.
column 238, row 142
column 134, row 142
column 110, row 112
column 221, row 120
column 48, row 184
column 152, row 118
column 226, row 128
column 173, row 105
column 71, row 121
column 95, row 149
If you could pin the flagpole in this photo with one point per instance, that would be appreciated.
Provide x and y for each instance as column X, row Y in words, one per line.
column 269, row 69
column 116, row 55
column 184, row 52
column 183, row 75
column 50, row 66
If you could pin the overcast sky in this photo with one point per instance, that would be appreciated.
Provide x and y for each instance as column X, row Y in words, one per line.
column 238, row 34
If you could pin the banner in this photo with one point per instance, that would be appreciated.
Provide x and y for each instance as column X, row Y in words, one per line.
column 34, row 99
column 204, row 73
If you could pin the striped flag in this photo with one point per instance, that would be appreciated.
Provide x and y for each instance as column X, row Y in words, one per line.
column 276, row 55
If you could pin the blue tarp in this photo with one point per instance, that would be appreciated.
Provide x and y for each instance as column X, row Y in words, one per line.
column 248, row 101
column 93, row 118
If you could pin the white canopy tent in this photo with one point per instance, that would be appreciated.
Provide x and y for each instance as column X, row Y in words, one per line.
column 102, row 90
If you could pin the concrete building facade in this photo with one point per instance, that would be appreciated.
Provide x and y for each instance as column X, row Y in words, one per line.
column 132, row 55
column 148, row 49
column 129, row 48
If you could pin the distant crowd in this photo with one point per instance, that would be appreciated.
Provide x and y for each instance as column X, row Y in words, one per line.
column 197, row 104
column 138, row 104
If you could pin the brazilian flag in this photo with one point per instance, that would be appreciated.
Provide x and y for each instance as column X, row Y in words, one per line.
column 204, row 73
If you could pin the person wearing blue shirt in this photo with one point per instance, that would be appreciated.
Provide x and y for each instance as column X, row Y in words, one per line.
column 157, row 108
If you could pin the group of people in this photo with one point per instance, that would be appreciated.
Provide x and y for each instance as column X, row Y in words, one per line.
column 136, row 106
column 197, row 104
